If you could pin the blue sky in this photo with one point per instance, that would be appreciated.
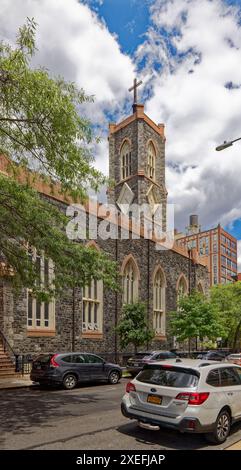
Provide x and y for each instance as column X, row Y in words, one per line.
column 186, row 52
column 130, row 20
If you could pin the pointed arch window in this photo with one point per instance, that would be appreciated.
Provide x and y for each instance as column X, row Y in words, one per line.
column 151, row 161
column 200, row 288
column 125, row 160
column 159, row 291
column 182, row 288
column 130, row 283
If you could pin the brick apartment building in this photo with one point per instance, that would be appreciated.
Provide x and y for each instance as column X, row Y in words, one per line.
column 216, row 247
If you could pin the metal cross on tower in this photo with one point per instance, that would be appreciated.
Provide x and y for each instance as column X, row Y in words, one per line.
column 134, row 87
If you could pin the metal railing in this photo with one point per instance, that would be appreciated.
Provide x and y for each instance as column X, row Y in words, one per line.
column 7, row 348
column 21, row 362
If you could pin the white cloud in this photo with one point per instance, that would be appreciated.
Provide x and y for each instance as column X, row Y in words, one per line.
column 74, row 43
column 190, row 97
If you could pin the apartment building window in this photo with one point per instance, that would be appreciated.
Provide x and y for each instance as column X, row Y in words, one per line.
column 92, row 307
column 233, row 245
column 224, row 260
column 233, row 266
column 215, row 269
column 41, row 315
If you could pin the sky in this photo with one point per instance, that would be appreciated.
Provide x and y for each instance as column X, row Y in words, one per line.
column 188, row 55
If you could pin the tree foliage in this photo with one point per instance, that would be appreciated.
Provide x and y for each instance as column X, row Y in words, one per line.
column 40, row 129
column 226, row 299
column 40, row 126
column 196, row 316
column 133, row 327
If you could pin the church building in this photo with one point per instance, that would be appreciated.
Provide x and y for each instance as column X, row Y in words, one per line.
column 85, row 320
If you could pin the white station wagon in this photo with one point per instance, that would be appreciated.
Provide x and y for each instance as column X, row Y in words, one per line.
column 190, row 395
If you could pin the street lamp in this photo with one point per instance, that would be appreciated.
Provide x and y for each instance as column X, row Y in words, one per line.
column 226, row 144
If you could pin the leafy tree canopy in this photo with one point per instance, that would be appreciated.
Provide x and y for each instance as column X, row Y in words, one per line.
column 40, row 129
column 226, row 299
column 40, row 126
column 196, row 317
column 133, row 327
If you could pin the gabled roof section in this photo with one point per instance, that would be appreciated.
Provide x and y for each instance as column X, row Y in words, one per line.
column 138, row 114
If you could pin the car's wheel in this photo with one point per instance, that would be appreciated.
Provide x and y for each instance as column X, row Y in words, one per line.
column 222, row 428
column 114, row 377
column 69, row 381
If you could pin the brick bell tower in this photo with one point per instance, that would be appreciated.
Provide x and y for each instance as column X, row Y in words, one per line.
column 137, row 161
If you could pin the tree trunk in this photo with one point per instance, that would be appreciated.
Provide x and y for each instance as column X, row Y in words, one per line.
column 236, row 335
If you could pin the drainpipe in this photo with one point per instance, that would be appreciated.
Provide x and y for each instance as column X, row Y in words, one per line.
column 148, row 285
column 116, row 305
column 73, row 321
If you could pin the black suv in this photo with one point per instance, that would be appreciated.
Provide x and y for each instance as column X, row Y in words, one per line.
column 137, row 362
column 71, row 368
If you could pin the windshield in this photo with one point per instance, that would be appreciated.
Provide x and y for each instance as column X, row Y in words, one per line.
column 171, row 377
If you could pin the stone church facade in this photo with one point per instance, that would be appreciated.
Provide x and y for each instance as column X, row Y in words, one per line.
column 85, row 319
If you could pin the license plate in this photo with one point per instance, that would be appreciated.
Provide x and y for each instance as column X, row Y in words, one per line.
column 135, row 364
column 154, row 399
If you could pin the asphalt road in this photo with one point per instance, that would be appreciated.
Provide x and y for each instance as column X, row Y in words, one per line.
column 82, row 419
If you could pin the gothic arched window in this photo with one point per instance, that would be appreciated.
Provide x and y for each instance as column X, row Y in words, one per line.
column 159, row 291
column 151, row 161
column 200, row 288
column 125, row 160
column 182, row 288
column 130, row 283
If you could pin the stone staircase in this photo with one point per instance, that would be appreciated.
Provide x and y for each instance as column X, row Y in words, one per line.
column 7, row 368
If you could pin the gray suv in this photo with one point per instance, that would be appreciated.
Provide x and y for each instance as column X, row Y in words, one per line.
column 68, row 369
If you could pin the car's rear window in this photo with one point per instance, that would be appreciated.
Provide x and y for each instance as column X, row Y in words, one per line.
column 169, row 377
column 43, row 358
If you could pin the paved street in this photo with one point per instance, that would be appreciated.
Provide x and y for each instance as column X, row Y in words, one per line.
column 84, row 418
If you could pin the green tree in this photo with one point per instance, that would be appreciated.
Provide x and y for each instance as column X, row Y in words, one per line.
column 226, row 299
column 41, row 130
column 196, row 317
column 132, row 327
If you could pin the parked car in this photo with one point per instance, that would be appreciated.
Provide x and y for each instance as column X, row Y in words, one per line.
column 212, row 355
column 234, row 358
column 68, row 369
column 191, row 395
column 136, row 363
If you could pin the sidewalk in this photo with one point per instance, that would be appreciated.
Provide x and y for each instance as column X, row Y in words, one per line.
column 236, row 446
column 15, row 382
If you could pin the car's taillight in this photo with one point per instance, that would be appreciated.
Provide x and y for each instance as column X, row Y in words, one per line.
column 53, row 363
column 193, row 398
column 130, row 387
